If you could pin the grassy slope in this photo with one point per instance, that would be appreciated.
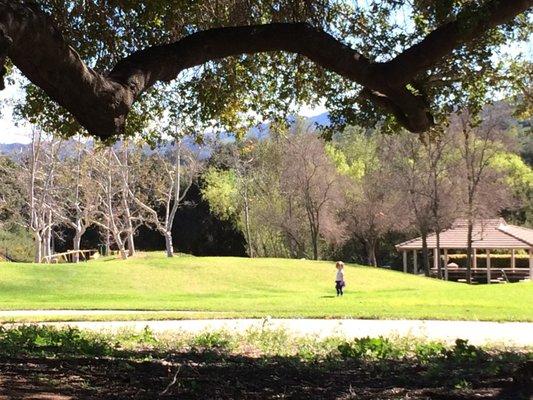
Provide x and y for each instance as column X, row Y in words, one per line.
column 253, row 288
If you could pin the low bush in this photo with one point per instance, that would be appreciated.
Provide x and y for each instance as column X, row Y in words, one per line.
column 42, row 340
column 370, row 348
column 217, row 340
column 17, row 244
column 425, row 352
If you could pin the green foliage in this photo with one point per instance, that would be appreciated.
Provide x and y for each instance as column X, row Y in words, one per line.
column 354, row 151
column 270, row 341
column 42, row 340
column 519, row 178
column 17, row 244
column 217, row 340
column 425, row 352
column 234, row 93
column 369, row 348
column 221, row 192
column 145, row 337
column 464, row 352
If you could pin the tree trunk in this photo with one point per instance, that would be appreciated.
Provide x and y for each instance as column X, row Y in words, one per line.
column 38, row 247
column 47, row 242
column 121, row 248
column 168, row 244
column 469, row 252
column 247, row 225
column 314, row 240
column 131, row 244
column 107, row 243
column 425, row 253
column 76, row 247
column 371, row 252
column 439, row 267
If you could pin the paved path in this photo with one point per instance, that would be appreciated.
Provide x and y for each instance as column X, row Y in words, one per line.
column 508, row 333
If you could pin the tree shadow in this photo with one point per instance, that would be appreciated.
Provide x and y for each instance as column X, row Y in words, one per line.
column 197, row 374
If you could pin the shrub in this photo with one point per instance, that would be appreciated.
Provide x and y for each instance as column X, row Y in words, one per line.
column 462, row 351
column 219, row 340
column 270, row 341
column 17, row 244
column 425, row 352
column 369, row 348
column 145, row 337
column 42, row 340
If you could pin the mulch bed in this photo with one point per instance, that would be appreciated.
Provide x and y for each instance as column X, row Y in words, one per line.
column 218, row 376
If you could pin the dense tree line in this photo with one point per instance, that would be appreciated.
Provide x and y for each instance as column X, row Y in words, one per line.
column 296, row 195
column 291, row 194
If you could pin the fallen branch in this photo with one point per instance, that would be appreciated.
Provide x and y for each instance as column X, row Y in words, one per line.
column 172, row 383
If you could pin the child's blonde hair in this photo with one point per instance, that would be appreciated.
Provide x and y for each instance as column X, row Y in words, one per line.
column 339, row 264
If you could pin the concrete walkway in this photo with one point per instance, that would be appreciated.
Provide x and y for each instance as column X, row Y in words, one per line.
column 476, row 332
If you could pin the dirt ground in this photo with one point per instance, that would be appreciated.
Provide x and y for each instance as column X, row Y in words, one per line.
column 215, row 376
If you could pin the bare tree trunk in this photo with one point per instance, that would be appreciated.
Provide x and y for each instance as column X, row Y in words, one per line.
column 131, row 244
column 314, row 240
column 76, row 246
column 107, row 242
column 371, row 252
column 425, row 253
column 469, row 252
column 129, row 225
column 168, row 244
column 247, row 225
column 47, row 242
column 439, row 266
column 121, row 247
column 38, row 247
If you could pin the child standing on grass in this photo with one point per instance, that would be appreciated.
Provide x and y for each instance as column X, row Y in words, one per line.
column 339, row 278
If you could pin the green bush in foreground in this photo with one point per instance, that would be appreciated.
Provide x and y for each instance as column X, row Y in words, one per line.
column 42, row 340
column 49, row 341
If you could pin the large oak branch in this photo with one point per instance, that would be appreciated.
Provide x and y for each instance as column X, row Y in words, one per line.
column 101, row 102
column 471, row 23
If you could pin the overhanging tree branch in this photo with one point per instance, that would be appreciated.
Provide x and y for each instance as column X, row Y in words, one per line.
column 101, row 102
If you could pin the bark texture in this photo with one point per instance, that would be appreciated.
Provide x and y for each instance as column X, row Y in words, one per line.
column 101, row 102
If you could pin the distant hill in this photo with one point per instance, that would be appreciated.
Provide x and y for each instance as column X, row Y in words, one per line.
column 11, row 148
column 260, row 131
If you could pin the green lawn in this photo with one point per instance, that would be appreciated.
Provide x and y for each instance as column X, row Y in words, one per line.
column 240, row 287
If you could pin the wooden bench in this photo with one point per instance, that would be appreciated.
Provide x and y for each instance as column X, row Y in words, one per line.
column 68, row 256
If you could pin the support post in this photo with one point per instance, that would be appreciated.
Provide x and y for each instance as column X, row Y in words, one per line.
column 415, row 262
column 513, row 259
column 445, row 264
column 474, row 258
column 404, row 261
column 488, row 266
column 531, row 264
column 436, row 256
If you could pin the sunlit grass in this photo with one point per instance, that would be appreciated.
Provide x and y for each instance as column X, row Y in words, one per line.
column 239, row 287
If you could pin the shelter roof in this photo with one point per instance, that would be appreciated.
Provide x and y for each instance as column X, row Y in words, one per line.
column 486, row 234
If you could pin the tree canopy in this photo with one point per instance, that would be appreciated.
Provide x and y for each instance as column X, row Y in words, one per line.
column 234, row 59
